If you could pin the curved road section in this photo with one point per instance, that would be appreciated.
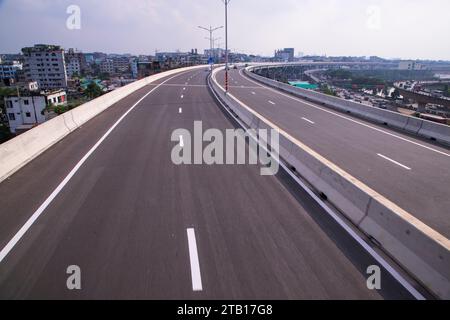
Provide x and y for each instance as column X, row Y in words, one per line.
column 137, row 226
column 411, row 172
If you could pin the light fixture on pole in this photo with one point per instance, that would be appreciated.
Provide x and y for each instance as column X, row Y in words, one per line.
column 210, row 30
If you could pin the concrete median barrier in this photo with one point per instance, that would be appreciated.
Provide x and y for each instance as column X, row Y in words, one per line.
column 426, row 129
column 17, row 152
column 420, row 250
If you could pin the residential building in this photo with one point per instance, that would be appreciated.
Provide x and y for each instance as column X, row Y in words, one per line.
column 27, row 110
column 121, row 64
column 75, row 62
column 8, row 70
column 46, row 65
column 73, row 67
column 107, row 66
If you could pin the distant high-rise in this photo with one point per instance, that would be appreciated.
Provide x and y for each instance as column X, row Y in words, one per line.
column 285, row 55
column 45, row 64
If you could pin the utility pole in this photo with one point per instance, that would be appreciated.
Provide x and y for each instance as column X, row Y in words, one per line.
column 226, row 2
column 211, row 39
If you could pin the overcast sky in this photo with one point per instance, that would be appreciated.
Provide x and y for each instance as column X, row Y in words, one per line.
column 388, row 28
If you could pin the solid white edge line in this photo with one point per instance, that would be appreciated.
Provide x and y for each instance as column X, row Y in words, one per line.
column 396, row 275
column 344, row 117
column 194, row 261
column 307, row 120
column 10, row 245
column 393, row 161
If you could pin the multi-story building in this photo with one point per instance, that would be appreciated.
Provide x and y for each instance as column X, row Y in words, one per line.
column 75, row 62
column 26, row 111
column 121, row 64
column 8, row 70
column 285, row 55
column 73, row 68
column 46, row 65
column 107, row 66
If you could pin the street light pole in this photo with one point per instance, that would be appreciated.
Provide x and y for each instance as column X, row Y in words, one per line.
column 226, row 2
column 210, row 30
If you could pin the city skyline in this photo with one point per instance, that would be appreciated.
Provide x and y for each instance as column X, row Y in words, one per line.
column 372, row 28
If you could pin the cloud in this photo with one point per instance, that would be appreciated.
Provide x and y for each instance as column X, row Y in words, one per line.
column 390, row 28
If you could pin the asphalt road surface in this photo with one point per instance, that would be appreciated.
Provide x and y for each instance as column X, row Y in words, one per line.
column 140, row 227
column 411, row 172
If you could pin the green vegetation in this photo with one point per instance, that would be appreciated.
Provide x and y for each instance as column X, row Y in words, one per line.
column 377, row 77
column 340, row 74
column 327, row 90
column 353, row 79
column 446, row 90
column 104, row 76
column 73, row 103
column 5, row 134
column 93, row 91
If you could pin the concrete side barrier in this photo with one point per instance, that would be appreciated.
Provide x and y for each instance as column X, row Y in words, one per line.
column 414, row 125
column 25, row 147
column 420, row 127
column 17, row 152
column 435, row 131
column 413, row 244
column 420, row 250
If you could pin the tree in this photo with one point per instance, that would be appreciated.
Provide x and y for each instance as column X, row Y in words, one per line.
column 93, row 90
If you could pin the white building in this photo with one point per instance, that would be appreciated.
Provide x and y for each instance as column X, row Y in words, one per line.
column 410, row 65
column 25, row 112
column 8, row 70
column 46, row 65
